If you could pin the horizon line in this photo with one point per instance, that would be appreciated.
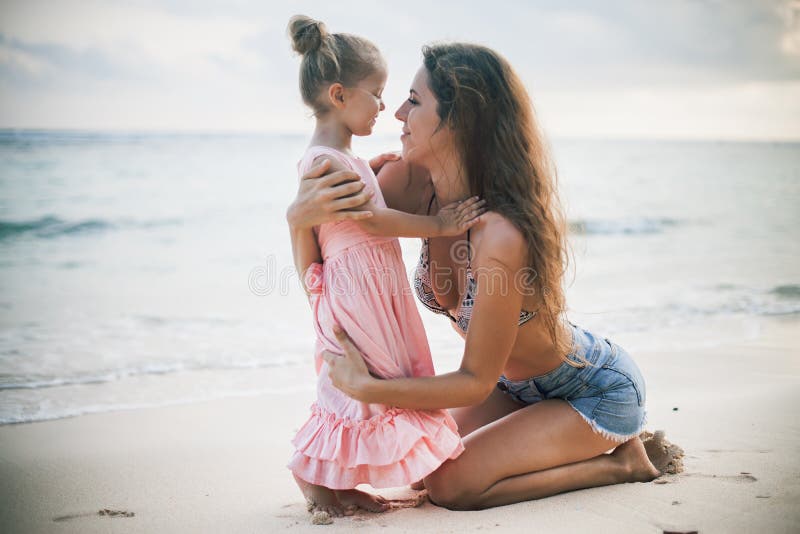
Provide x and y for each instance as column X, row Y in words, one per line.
column 295, row 133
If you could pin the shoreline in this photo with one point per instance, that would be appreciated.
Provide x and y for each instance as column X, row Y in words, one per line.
column 147, row 390
column 219, row 465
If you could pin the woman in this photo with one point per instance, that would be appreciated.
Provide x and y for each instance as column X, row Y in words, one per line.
column 538, row 399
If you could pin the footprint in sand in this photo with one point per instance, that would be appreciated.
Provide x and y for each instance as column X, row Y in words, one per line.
column 743, row 477
column 665, row 456
column 105, row 512
column 69, row 517
column 322, row 517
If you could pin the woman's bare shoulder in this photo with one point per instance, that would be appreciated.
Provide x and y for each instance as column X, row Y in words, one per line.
column 404, row 186
column 496, row 239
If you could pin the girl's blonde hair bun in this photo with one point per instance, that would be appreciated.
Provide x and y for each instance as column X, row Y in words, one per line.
column 306, row 33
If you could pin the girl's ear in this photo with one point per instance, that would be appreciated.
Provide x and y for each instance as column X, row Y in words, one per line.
column 336, row 95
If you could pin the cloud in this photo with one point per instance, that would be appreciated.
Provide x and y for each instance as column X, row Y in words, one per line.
column 617, row 43
column 742, row 111
column 25, row 65
column 124, row 41
column 228, row 65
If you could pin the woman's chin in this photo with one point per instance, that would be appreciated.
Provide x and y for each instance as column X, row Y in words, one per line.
column 406, row 150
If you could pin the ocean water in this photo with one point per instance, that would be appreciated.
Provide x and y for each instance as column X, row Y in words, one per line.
column 147, row 269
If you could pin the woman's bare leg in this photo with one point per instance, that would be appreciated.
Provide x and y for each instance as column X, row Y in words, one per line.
column 471, row 418
column 534, row 452
column 496, row 406
column 628, row 463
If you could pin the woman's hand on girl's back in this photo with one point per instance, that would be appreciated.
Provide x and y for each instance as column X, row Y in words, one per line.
column 348, row 372
column 325, row 198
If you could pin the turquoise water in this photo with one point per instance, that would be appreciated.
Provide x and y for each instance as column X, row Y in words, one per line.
column 143, row 269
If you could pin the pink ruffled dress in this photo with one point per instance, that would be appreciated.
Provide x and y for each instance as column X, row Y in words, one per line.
column 362, row 286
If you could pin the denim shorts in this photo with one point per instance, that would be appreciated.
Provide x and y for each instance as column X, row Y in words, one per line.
column 608, row 392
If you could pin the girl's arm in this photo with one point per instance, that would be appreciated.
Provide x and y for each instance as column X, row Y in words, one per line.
column 490, row 338
column 453, row 219
column 305, row 251
column 321, row 199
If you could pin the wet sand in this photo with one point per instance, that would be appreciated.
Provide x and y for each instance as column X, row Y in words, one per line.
column 219, row 466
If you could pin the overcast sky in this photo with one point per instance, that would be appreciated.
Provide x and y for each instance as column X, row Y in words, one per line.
column 707, row 69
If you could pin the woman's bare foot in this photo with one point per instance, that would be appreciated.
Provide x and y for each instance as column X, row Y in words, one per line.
column 418, row 486
column 633, row 457
column 665, row 456
column 321, row 499
column 366, row 501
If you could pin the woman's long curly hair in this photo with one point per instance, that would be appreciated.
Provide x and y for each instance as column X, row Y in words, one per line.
column 507, row 162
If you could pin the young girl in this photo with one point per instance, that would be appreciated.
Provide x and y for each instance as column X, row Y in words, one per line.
column 361, row 286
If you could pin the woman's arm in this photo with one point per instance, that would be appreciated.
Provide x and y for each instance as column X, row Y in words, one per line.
column 349, row 373
column 490, row 338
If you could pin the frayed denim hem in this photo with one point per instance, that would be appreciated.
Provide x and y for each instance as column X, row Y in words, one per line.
column 613, row 436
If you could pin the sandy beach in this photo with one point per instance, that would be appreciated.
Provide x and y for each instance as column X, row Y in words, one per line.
column 220, row 465
column 156, row 340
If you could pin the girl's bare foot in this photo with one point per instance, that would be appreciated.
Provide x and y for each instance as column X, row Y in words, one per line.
column 366, row 501
column 321, row 499
column 633, row 457
column 665, row 456
column 418, row 486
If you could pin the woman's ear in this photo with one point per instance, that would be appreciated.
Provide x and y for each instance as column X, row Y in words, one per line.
column 336, row 95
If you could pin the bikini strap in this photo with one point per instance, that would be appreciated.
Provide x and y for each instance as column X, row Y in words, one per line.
column 469, row 247
column 433, row 197
column 469, row 251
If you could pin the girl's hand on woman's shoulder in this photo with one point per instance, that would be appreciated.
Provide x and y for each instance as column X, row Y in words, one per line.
column 458, row 217
column 380, row 160
column 323, row 198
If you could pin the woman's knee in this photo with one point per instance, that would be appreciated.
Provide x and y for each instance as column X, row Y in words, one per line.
column 451, row 493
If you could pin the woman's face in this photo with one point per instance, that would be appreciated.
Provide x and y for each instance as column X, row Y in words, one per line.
column 422, row 138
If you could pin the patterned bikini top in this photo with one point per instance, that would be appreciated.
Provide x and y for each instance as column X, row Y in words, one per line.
column 425, row 294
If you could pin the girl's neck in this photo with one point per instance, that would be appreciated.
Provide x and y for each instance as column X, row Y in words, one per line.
column 332, row 133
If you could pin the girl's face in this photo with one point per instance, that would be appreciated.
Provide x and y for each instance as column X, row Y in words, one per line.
column 364, row 103
column 423, row 134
